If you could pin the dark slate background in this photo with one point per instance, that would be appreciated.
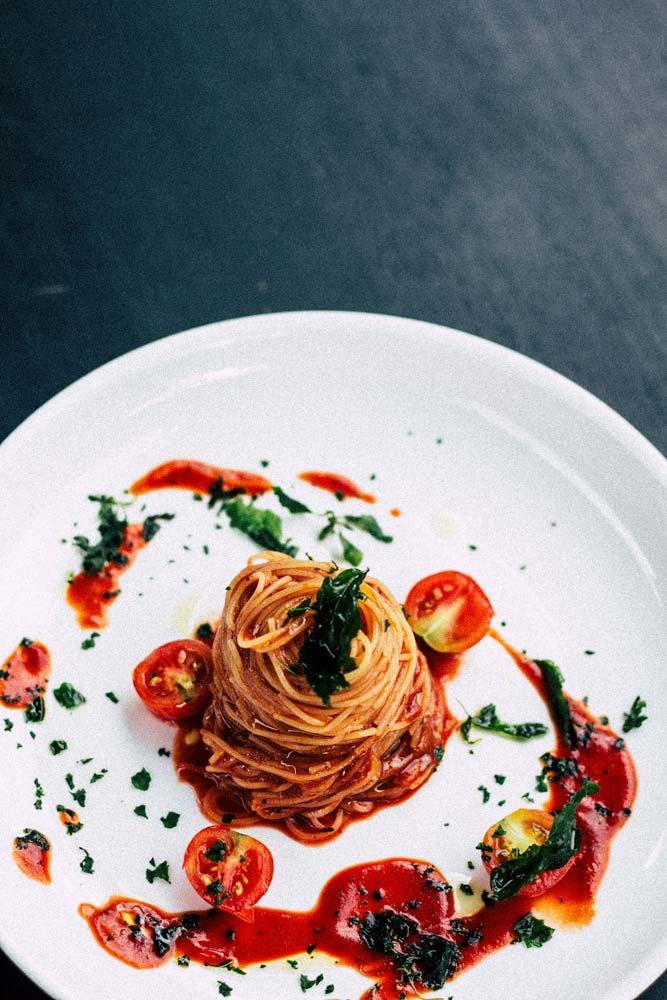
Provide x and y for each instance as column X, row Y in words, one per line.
column 500, row 167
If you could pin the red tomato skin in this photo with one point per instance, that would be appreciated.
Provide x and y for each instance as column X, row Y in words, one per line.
column 449, row 610
column 247, row 863
column 164, row 699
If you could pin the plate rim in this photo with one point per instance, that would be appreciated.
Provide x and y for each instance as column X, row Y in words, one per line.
column 263, row 324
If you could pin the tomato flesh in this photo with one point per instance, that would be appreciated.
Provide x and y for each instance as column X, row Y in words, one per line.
column 231, row 871
column 173, row 680
column 449, row 611
column 24, row 675
column 520, row 830
column 133, row 932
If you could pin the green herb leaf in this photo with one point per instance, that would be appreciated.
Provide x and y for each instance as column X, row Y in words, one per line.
column 57, row 746
column 426, row 958
column 151, row 525
column 325, row 655
column 634, row 718
column 219, row 495
column 263, row 526
column 141, row 780
column 160, row 871
column 558, row 703
column 87, row 862
column 170, row 820
column 289, row 503
column 79, row 796
column 31, row 837
column 112, row 697
column 299, row 609
column 306, row 984
column 487, row 718
column 111, row 528
column 532, row 931
column 68, row 696
column 36, row 710
column 204, row 631
column 141, row 811
column 216, row 851
column 367, row 523
column 89, row 643
column 351, row 553
column 563, row 842
column 223, row 989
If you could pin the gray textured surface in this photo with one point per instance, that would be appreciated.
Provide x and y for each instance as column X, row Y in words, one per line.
column 496, row 167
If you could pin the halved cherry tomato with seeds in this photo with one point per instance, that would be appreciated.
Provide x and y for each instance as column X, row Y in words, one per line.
column 231, row 871
column 173, row 680
column 449, row 611
column 135, row 932
column 512, row 836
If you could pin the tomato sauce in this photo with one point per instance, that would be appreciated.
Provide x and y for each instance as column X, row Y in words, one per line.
column 600, row 755
column 336, row 926
column 25, row 674
column 405, row 896
column 199, row 477
column 90, row 594
column 32, row 855
column 340, row 485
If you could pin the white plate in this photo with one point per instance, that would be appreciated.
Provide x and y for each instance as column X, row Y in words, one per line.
column 565, row 505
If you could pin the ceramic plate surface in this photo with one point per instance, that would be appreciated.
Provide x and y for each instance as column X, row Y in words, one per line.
column 499, row 468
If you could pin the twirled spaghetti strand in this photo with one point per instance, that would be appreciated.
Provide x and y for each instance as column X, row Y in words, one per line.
column 274, row 744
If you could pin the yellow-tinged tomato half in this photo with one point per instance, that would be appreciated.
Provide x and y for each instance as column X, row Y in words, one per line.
column 512, row 836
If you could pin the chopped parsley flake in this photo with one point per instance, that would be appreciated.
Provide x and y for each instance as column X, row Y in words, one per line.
column 486, row 794
column 112, row 697
column 306, row 984
column 89, row 643
column 160, row 871
column 141, row 780
column 36, row 710
column 68, row 697
column 217, row 851
column 170, row 820
column 87, row 862
column 532, row 931
column 39, row 794
column 204, row 631
column 634, row 718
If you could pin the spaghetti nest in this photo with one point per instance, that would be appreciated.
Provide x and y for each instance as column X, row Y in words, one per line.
column 277, row 750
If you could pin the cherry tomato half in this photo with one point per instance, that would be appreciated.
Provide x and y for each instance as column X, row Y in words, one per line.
column 172, row 681
column 24, row 676
column 449, row 611
column 136, row 933
column 230, row 870
column 513, row 835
